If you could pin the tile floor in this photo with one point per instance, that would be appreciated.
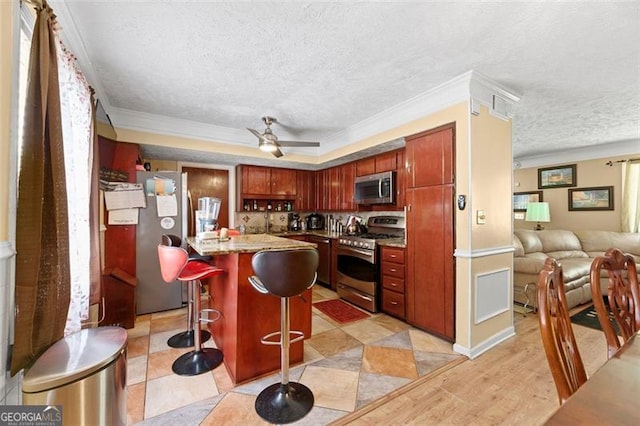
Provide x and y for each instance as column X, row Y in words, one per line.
column 346, row 366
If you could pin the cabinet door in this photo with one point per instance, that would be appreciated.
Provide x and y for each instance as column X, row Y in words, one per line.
column 305, row 190
column 386, row 162
column 334, row 188
column 322, row 190
column 366, row 166
column 430, row 277
column 348, row 175
column 256, row 180
column 283, row 181
column 430, row 158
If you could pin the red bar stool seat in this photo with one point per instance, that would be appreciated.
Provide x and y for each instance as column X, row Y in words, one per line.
column 186, row 338
column 176, row 265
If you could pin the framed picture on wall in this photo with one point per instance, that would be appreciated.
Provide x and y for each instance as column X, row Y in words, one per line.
column 586, row 199
column 521, row 199
column 557, row 177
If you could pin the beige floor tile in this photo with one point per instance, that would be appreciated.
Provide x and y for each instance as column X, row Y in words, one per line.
column 320, row 325
column 135, row 403
column 158, row 341
column 137, row 346
column 389, row 361
column 141, row 328
column 332, row 342
column 223, row 379
column 335, row 389
column 136, row 370
column 168, row 323
column 169, row 314
column 322, row 293
column 367, row 331
column 391, row 323
column 159, row 363
column 170, row 392
column 422, row 341
column 311, row 354
column 234, row 409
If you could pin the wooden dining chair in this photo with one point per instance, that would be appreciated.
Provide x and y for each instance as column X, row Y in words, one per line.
column 558, row 339
column 622, row 296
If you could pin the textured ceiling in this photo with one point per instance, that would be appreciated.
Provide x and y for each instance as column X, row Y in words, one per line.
column 321, row 68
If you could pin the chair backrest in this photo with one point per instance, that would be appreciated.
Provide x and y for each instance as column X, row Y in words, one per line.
column 171, row 240
column 558, row 339
column 286, row 273
column 172, row 261
column 622, row 295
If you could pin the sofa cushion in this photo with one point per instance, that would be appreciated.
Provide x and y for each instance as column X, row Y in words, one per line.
column 517, row 245
column 595, row 243
column 530, row 241
column 559, row 240
column 531, row 263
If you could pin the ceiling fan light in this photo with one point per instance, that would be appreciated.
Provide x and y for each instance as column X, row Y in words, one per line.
column 268, row 146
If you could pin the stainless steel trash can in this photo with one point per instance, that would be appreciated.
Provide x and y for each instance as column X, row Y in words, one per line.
column 85, row 373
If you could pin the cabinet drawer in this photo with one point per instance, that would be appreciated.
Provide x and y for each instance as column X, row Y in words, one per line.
column 393, row 283
column 393, row 269
column 391, row 254
column 393, row 303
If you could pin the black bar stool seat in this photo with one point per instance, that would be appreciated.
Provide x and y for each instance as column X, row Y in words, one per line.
column 284, row 274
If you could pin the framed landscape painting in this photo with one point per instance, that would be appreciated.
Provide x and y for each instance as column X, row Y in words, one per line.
column 557, row 177
column 596, row 198
column 521, row 199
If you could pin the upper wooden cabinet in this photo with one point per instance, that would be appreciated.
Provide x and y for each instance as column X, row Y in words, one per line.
column 305, row 190
column 384, row 162
column 347, row 178
column 430, row 158
column 265, row 181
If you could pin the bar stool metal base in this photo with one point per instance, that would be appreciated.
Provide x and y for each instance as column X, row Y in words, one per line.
column 197, row 362
column 186, row 339
column 281, row 403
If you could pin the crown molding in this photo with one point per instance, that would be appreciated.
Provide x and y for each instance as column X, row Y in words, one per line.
column 593, row 152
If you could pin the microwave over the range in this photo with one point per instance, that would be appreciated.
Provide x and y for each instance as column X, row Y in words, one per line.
column 378, row 188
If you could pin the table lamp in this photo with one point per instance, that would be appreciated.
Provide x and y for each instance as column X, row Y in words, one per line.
column 538, row 212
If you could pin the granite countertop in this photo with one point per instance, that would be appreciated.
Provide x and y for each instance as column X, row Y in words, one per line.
column 246, row 244
column 394, row 242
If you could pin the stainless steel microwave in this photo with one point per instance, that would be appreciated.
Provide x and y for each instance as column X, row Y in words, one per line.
column 379, row 188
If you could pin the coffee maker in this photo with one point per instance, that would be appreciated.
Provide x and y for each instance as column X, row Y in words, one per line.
column 295, row 224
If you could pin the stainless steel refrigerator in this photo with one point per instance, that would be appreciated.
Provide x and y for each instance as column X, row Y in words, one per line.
column 153, row 294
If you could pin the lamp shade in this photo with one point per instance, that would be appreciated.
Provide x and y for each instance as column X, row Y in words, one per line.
column 538, row 212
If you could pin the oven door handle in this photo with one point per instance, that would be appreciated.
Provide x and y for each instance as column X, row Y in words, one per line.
column 361, row 296
column 364, row 254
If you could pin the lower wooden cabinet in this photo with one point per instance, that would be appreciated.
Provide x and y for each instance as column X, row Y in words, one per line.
column 392, row 271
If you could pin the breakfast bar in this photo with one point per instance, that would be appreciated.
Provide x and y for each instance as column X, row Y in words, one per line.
column 246, row 315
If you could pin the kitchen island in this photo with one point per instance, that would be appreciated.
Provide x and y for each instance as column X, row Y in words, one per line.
column 247, row 315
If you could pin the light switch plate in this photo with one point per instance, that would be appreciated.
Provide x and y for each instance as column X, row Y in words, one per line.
column 480, row 217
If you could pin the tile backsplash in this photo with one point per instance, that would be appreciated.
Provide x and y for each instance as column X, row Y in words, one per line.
column 255, row 223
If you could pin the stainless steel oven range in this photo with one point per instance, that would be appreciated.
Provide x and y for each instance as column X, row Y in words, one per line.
column 358, row 261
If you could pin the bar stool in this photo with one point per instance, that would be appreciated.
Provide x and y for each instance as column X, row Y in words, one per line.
column 186, row 338
column 284, row 274
column 175, row 265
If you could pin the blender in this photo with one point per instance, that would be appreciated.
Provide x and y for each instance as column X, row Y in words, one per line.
column 207, row 214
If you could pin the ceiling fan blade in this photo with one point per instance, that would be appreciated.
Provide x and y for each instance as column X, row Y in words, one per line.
column 256, row 133
column 277, row 153
column 297, row 143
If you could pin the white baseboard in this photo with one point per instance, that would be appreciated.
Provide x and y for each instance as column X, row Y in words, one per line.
column 486, row 345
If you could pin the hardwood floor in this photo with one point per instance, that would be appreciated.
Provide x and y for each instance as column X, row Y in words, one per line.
column 510, row 384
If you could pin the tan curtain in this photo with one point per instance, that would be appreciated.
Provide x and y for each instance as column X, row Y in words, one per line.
column 94, row 212
column 630, row 214
column 42, row 240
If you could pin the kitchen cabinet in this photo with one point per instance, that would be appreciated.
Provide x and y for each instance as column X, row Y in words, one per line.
column 429, row 158
column 347, row 178
column 429, row 285
column 262, row 183
column 334, row 190
column 384, row 162
column 322, row 190
column 305, row 190
column 392, row 271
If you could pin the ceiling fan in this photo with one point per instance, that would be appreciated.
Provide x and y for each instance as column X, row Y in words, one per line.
column 268, row 142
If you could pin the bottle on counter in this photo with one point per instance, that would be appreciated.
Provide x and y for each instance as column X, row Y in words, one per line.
column 255, row 205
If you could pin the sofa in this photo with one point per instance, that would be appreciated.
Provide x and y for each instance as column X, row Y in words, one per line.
column 575, row 250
